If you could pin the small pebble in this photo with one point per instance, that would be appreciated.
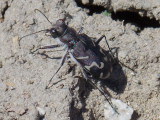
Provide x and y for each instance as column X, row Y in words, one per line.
column 122, row 54
column 85, row 2
column 30, row 82
column 2, row 20
column 159, row 59
column 41, row 111
column 21, row 111
column 158, row 76
column 15, row 40
column 155, row 60
column 10, row 84
column 124, row 111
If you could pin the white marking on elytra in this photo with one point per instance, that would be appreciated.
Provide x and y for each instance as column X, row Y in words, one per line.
column 93, row 43
column 81, row 58
column 101, row 50
column 88, row 67
column 95, row 64
column 101, row 75
column 106, row 59
column 106, row 76
column 73, row 58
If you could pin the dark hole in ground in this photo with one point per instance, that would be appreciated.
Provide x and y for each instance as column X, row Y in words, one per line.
column 92, row 8
column 128, row 17
column 136, row 19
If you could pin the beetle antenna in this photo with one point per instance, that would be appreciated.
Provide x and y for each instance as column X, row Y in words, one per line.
column 44, row 16
column 31, row 34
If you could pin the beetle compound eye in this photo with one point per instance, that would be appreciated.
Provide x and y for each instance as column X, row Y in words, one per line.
column 53, row 31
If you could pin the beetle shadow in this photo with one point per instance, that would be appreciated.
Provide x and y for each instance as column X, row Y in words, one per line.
column 118, row 80
column 83, row 92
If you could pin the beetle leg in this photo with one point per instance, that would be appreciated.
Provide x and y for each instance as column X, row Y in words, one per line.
column 103, row 36
column 80, row 30
column 47, row 47
column 107, row 97
column 43, row 54
column 61, row 64
column 114, row 59
column 97, row 42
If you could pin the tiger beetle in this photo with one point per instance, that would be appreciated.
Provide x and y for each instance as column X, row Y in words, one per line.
column 95, row 63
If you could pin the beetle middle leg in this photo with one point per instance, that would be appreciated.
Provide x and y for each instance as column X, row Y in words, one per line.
column 61, row 64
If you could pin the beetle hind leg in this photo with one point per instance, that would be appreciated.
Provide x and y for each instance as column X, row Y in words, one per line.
column 107, row 97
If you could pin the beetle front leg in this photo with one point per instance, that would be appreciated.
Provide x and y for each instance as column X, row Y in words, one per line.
column 47, row 47
column 61, row 64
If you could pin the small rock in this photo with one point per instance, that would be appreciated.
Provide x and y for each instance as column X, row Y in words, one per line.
column 22, row 111
column 124, row 111
column 26, row 94
column 15, row 40
column 85, row 2
column 7, row 106
column 2, row 20
column 10, row 84
column 41, row 111
column 155, row 60
column 158, row 76
column 30, row 82
column 159, row 59
column 122, row 54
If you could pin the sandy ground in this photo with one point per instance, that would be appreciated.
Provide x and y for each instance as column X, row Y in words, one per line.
column 24, row 75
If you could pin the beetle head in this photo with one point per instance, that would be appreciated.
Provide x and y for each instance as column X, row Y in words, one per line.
column 58, row 29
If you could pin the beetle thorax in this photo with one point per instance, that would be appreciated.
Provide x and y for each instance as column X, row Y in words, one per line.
column 69, row 37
